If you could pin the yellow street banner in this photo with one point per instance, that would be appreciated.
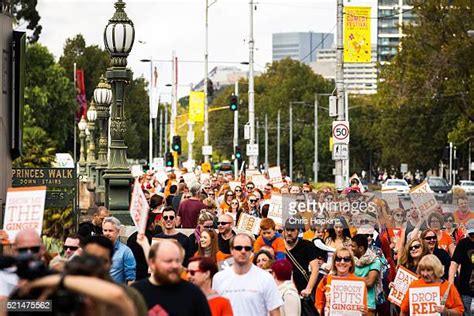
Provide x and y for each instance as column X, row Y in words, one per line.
column 357, row 35
column 196, row 106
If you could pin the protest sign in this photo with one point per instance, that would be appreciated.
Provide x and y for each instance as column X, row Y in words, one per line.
column 161, row 175
column 205, row 177
column 391, row 197
column 234, row 184
column 24, row 209
column 139, row 208
column 276, row 209
column 189, row 177
column 248, row 224
column 400, row 285
column 249, row 174
column 274, row 174
column 347, row 297
column 424, row 199
column 260, row 181
column 423, row 300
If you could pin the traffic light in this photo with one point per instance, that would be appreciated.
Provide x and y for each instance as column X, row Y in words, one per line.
column 238, row 153
column 233, row 103
column 176, row 145
column 169, row 159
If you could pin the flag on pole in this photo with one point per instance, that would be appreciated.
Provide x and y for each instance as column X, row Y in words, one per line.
column 80, row 94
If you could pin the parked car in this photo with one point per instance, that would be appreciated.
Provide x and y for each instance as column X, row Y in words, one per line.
column 441, row 189
column 402, row 187
column 467, row 186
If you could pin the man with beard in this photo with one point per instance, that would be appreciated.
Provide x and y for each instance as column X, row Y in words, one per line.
column 164, row 291
column 250, row 290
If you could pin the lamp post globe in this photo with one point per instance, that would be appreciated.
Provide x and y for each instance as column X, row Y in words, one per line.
column 82, row 125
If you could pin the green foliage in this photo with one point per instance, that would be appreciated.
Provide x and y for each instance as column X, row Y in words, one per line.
column 137, row 114
column 38, row 149
column 426, row 92
column 92, row 59
column 25, row 10
column 49, row 100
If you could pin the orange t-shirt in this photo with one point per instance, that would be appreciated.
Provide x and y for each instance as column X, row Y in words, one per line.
column 444, row 241
column 452, row 302
column 323, row 292
column 220, row 306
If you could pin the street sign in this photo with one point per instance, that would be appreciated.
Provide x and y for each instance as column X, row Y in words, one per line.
column 252, row 150
column 340, row 132
column 247, row 131
column 340, row 152
column 207, row 150
column 332, row 106
column 403, row 168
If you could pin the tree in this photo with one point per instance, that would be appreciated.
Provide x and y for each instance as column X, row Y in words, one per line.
column 426, row 92
column 25, row 10
column 92, row 59
column 49, row 99
column 38, row 149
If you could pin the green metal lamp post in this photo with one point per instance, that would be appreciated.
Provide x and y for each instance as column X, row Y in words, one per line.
column 119, row 35
column 103, row 98
column 82, row 125
column 91, row 161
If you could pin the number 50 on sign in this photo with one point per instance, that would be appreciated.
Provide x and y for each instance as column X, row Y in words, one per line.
column 340, row 132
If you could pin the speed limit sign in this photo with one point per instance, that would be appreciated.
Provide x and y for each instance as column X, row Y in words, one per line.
column 340, row 132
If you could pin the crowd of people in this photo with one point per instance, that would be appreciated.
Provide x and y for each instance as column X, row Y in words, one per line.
column 195, row 259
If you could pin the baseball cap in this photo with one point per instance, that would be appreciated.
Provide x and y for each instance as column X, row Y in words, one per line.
column 470, row 226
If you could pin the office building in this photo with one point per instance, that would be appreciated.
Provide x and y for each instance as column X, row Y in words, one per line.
column 300, row 46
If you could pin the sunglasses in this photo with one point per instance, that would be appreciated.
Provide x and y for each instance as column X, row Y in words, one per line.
column 209, row 227
column 73, row 248
column 240, row 248
column 249, row 188
column 229, row 195
column 430, row 238
column 192, row 272
column 168, row 218
column 222, row 223
column 34, row 249
column 449, row 220
column 253, row 201
column 368, row 235
column 279, row 231
column 321, row 258
column 414, row 247
column 343, row 259
column 238, row 190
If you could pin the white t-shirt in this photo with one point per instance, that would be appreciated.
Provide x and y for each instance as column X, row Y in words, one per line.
column 253, row 293
column 8, row 281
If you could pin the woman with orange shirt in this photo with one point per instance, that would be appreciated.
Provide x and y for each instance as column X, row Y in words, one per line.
column 430, row 271
column 200, row 272
column 343, row 267
column 208, row 246
column 435, row 222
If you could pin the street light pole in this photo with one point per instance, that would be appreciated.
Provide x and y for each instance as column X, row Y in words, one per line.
column 150, row 107
column 236, row 131
column 252, row 159
column 119, row 35
column 290, row 171
column 316, row 162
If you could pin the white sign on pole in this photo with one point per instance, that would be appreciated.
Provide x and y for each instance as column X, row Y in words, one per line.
column 247, row 131
column 400, row 285
column 340, row 132
column 24, row 209
column 207, row 150
column 189, row 177
column 260, row 181
column 252, row 149
column 403, row 168
column 340, row 152
column 275, row 210
column 190, row 137
column 64, row 160
column 332, row 106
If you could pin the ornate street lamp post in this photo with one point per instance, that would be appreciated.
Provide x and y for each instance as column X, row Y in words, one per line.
column 103, row 98
column 82, row 125
column 119, row 35
column 91, row 162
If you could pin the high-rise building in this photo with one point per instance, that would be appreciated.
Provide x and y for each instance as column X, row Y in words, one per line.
column 359, row 78
column 392, row 14
column 300, row 46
